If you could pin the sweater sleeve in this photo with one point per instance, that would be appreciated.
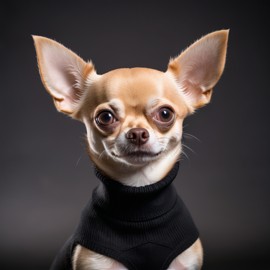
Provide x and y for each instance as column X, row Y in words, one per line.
column 63, row 260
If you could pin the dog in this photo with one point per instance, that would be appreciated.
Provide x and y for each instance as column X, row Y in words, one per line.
column 134, row 122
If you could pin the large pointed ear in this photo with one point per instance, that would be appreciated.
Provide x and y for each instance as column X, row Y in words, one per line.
column 63, row 73
column 199, row 67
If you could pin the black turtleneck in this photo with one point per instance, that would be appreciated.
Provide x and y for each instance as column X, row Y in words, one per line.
column 141, row 227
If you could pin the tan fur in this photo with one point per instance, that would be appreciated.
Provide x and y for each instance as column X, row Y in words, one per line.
column 133, row 97
column 135, row 86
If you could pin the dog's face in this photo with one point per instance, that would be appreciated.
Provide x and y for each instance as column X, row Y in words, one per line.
column 133, row 117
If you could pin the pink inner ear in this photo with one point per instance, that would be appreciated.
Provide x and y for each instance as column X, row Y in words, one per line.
column 194, row 94
column 200, row 65
column 60, row 71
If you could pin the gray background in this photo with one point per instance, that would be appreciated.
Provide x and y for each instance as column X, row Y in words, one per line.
column 46, row 177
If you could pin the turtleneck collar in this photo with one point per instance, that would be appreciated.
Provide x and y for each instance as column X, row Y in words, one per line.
column 115, row 186
column 120, row 202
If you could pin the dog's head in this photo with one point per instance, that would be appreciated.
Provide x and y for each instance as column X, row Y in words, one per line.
column 134, row 116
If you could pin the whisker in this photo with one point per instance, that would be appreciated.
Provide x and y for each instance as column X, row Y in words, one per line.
column 78, row 161
column 188, row 148
column 184, row 153
column 102, row 154
column 188, row 135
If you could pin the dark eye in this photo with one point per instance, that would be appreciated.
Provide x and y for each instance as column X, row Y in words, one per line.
column 164, row 118
column 105, row 118
column 164, row 115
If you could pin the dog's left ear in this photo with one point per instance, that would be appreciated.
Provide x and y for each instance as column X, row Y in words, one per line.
column 199, row 67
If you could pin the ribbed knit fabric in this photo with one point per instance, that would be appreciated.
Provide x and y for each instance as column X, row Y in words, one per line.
column 141, row 227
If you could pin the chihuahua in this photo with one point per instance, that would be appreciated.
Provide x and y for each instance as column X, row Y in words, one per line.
column 134, row 120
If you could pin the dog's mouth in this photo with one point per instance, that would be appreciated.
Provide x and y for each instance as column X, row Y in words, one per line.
column 138, row 156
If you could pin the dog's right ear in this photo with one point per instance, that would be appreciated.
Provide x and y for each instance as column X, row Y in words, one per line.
column 64, row 74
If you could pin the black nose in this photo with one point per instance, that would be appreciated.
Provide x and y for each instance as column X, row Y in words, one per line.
column 138, row 136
